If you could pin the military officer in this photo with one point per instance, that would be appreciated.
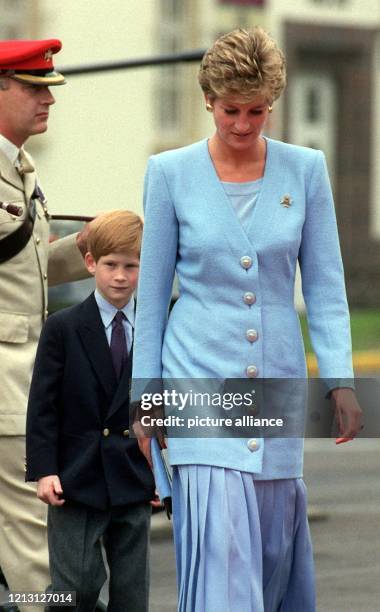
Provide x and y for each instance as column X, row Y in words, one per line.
column 27, row 264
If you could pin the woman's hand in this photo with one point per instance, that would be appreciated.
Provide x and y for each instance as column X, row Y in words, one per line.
column 143, row 442
column 156, row 502
column 348, row 414
column 144, row 433
column 144, row 439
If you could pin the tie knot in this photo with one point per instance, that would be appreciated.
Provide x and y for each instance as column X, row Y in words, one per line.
column 118, row 318
column 23, row 165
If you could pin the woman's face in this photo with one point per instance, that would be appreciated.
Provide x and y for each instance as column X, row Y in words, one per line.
column 239, row 124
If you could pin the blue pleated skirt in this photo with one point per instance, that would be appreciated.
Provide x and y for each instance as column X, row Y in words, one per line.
column 242, row 545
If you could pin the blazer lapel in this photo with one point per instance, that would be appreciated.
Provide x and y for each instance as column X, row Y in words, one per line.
column 93, row 337
column 29, row 178
column 268, row 203
column 211, row 189
column 223, row 213
column 9, row 173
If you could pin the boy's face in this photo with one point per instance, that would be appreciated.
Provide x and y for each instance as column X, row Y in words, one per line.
column 116, row 276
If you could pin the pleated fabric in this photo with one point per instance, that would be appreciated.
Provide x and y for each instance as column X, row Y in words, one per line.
column 241, row 545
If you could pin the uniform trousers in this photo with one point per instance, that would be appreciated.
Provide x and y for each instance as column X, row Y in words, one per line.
column 23, row 535
column 76, row 533
column 242, row 545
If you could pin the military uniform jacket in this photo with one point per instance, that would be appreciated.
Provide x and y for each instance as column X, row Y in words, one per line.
column 232, row 281
column 23, row 295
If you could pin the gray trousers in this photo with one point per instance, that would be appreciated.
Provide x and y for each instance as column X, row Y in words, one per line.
column 75, row 534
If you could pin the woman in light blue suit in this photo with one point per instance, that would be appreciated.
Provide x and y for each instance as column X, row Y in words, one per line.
column 232, row 215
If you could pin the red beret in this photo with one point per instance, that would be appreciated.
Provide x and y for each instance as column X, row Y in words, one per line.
column 30, row 61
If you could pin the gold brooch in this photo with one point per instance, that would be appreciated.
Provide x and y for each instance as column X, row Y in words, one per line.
column 286, row 201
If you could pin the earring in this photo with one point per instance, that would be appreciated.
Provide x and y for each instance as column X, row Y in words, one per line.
column 270, row 108
column 209, row 107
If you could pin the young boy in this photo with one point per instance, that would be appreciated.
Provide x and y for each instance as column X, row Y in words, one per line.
column 91, row 473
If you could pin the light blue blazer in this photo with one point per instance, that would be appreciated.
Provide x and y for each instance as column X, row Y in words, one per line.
column 232, row 281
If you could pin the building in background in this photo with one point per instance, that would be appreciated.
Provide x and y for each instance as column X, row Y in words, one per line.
column 332, row 102
column 17, row 19
column 105, row 126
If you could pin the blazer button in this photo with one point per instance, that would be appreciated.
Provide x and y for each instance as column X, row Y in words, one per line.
column 252, row 335
column 249, row 298
column 126, row 433
column 38, row 240
column 106, row 432
column 246, row 262
column 45, row 276
column 252, row 371
column 253, row 445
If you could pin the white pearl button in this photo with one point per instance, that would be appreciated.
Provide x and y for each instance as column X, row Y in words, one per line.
column 252, row 335
column 246, row 262
column 252, row 371
column 253, row 445
column 249, row 298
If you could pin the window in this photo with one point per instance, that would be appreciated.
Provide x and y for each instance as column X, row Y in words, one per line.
column 171, row 34
column 313, row 105
column 13, row 18
column 243, row 2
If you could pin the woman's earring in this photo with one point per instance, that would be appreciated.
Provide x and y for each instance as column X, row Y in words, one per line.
column 270, row 108
column 209, row 107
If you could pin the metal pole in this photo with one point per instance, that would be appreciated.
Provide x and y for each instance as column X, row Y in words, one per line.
column 83, row 218
column 157, row 60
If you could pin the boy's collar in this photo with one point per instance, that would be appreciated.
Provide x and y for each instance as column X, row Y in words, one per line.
column 108, row 310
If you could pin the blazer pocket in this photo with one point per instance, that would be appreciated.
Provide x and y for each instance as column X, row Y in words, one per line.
column 13, row 327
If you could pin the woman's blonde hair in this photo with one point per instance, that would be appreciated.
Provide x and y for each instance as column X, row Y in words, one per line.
column 117, row 231
column 243, row 64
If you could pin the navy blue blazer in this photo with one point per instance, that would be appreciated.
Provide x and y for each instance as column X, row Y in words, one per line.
column 78, row 415
column 235, row 316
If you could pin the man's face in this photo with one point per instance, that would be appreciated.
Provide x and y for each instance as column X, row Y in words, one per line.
column 24, row 110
